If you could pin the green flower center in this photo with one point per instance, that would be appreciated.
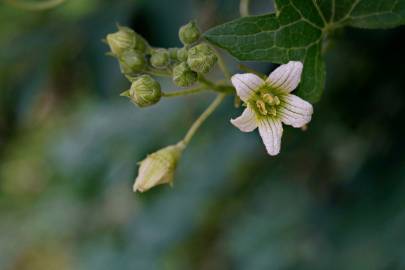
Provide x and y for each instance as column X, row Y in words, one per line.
column 265, row 101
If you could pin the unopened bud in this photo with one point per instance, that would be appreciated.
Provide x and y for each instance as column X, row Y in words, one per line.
column 182, row 54
column 183, row 76
column 189, row 33
column 160, row 58
column 173, row 53
column 132, row 62
column 201, row 58
column 145, row 91
column 158, row 168
column 125, row 39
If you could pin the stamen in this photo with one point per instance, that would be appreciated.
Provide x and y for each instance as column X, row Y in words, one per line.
column 261, row 106
column 273, row 111
column 276, row 100
column 269, row 99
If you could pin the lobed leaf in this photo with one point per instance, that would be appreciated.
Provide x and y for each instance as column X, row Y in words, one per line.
column 297, row 31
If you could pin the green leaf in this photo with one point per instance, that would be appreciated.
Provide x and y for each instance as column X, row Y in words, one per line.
column 297, row 31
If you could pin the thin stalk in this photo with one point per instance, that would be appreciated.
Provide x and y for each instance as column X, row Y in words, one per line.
column 35, row 6
column 201, row 119
column 251, row 70
column 223, row 66
column 185, row 92
column 244, row 8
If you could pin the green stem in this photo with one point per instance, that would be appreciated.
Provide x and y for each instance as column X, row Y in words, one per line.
column 161, row 73
column 200, row 120
column 185, row 92
column 207, row 83
column 223, row 66
column 35, row 6
column 244, row 8
column 251, row 70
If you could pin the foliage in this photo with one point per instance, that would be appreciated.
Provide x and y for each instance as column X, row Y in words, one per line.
column 299, row 30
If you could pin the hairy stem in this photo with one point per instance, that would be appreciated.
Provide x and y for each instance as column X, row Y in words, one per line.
column 35, row 6
column 201, row 119
column 244, row 8
column 185, row 92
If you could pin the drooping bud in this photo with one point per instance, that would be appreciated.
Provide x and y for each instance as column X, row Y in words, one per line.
column 201, row 58
column 160, row 58
column 189, row 33
column 158, row 168
column 145, row 91
column 183, row 76
column 132, row 62
column 182, row 54
column 125, row 39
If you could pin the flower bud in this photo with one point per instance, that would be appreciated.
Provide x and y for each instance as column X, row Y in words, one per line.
column 125, row 39
column 182, row 54
column 145, row 91
column 189, row 33
column 201, row 58
column 183, row 76
column 173, row 53
column 158, row 168
column 132, row 62
column 160, row 58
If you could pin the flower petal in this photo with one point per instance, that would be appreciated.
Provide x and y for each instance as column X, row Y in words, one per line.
column 246, row 84
column 271, row 130
column 246, row 122
column 295, row 111
column 286, row 77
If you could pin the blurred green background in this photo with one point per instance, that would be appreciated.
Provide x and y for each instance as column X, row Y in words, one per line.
column 333, row 199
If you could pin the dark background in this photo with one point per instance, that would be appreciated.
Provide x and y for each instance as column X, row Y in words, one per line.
column 333, row 199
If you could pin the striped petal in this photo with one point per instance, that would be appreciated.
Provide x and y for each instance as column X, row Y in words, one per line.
column 295, row 111
column 246, row 84
column 286, row 77
column 246, row 122
column 271, row 131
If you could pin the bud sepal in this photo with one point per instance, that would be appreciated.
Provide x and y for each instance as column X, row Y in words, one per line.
column 145, row 91
column 201, row 58
column 158, row 168
column 189, row 33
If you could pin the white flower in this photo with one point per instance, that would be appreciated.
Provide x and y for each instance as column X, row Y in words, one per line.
column 269, row 104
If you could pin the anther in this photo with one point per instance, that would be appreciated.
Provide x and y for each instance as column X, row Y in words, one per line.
column 269, row 99
column 276, row 100
column 261, row 106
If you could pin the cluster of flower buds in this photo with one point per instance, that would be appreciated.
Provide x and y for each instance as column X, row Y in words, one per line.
column 138, row 60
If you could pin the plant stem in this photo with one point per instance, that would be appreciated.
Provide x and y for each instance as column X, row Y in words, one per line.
column 200, row 120
column 35, row 6
column 251, row 70
column 244, row 8
column 223, row 66
column 185, row 92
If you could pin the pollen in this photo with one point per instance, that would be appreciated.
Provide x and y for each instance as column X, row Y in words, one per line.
column 261, row 106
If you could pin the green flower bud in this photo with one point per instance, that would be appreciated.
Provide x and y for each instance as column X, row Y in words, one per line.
column 160, row 58
column 182, row 55
column 145, row 91
column 132, row 62
column 125, row 39
column 201, row 58
column 189, row 33
column 183, row 76
column 158, row 168
column 173, row 53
